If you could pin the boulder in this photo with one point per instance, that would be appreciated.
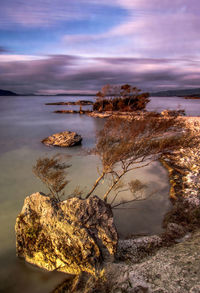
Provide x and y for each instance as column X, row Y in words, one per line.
column 63, row 139
column 71, row 236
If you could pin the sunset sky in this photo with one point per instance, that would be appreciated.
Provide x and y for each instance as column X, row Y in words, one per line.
column 56, row 46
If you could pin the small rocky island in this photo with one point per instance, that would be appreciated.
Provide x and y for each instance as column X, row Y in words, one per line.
column 63, row 139
column 193, row 97
column 110, row 100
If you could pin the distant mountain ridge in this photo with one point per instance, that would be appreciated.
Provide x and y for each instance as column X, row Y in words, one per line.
column 74, row 94
column 7, row 93
column 167, row 93
column 179, row 93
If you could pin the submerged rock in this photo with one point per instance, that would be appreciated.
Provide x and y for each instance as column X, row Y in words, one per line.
column 72, row 111
column 79, row 102
column 63, row 139
column 70, row 236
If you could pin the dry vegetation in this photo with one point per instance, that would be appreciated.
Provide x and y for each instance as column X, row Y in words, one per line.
column 123, row 146
column 52, row 172
column 120, row 98
column 127, row 145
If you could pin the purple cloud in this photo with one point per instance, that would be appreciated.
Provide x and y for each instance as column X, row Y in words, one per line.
column 71, row 73
column 156, row 46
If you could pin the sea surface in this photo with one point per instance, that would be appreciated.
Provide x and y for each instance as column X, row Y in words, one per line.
column 24, row 122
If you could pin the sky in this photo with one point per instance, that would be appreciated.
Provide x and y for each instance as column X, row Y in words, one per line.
column 77, row 46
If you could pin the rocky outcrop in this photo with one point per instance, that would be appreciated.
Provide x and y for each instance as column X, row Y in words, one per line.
column 172, row 269
column 173, row 113
column 135, row 250
column 99, row 114
column 70, row 236
column 183, row 165
column 63, row 139
column 196, row 97
column 125, row 115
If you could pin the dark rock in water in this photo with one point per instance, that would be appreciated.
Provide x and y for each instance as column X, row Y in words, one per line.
column 84, row 102
column 72, row 111
column 67, row 112
column 79, row 103
column 70, row 236
column 63, row 139
column 193, row 97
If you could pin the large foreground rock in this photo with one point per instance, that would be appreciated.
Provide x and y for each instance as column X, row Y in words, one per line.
column 70, row 236
column 63, row 139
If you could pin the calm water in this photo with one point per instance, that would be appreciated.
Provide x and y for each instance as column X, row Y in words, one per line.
column 24, row 121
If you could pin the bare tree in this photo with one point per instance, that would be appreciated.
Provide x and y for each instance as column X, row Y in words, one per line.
column 123, row 145
column 127, row 145
column 52, row 172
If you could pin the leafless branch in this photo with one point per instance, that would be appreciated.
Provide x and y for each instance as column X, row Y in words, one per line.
column 123, row 190
column 96, row 184
column 134, row 200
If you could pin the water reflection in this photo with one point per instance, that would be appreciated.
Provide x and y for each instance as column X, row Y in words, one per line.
column 19, row 276
column 24, row 122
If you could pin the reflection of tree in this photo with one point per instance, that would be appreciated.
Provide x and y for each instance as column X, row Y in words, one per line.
column 137, row 190
column 125, row 145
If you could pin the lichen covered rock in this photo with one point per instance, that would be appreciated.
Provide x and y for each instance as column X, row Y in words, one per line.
column 70, row 236
column 63, row 139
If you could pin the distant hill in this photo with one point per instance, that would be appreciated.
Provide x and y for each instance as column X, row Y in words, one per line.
column 7, row 93
column 178, row 93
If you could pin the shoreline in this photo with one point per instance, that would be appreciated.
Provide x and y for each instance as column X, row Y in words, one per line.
column 183, row 166
column 138, row 258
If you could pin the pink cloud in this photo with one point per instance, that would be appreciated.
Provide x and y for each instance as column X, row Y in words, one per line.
column 152, row 29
